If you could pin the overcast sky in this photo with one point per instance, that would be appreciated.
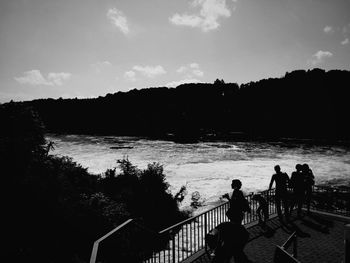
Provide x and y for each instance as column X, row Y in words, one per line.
column 88, row 48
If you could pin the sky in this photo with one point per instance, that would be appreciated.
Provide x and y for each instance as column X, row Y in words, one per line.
column 88, row 48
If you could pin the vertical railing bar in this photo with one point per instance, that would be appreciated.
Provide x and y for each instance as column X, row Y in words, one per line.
column 187, row 240
column 217, row 216
column 183, row 250
column 178, row 247
column 173, row 248
column 190, row 238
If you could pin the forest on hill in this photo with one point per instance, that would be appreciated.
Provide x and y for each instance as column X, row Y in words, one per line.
column 302, row 104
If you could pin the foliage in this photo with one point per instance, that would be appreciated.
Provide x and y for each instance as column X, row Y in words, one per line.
column 55, row 209
column 144, row 192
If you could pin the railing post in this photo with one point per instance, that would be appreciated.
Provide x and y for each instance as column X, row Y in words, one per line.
column 347, row 243
column 173, row 248
column 205, row 223
column 295, row 246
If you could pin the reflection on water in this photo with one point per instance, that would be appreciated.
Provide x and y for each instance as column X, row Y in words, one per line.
column 207, row 167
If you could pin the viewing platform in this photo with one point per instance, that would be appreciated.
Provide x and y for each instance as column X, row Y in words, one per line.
column 317, row 236
column 320, row 238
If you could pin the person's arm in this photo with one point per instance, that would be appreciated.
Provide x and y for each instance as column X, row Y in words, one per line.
column 312, row 177
column 227, row 196
column 287, row 179
column 271, row 182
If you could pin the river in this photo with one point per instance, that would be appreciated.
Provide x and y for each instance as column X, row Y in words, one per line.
column 208, row 167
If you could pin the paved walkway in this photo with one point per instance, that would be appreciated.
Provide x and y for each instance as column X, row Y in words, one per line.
column 320, row 239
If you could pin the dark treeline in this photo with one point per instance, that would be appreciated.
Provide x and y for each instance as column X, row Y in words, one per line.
column 302, row 104
column 54, row 209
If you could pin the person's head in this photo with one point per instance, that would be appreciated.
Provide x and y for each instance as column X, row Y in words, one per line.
column 236, row 184
column 277, row 168
column 298, row 167
column 305, row 167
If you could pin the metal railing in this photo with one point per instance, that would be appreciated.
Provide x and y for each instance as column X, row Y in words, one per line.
column 95, row 248
column 129, row 242
column 335, row 200
column 281, row 254
column 188, row 237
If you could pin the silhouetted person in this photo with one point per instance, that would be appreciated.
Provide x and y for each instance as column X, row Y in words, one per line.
column 263, row 209
column 228, row 240
column 298, row 185
column 238, row 203
column 281, row 193
column 309, row 181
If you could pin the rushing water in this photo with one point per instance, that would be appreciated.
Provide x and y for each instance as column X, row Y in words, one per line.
column 208, row 167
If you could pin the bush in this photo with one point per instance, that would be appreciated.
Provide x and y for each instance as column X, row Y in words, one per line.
column 55, row 209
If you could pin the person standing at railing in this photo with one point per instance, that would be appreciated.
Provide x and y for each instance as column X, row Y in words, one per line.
column 238, row 203
column 297, row 183
column 309, row 181
column 281, row 193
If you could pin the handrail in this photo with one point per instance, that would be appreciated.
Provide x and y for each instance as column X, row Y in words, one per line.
column 292, row 239
column 331, row 199
column 188, row 236
column 281, row 254
column 191, row 218
column 97, row 242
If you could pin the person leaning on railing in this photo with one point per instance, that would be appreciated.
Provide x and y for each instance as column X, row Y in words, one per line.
column 281, row 193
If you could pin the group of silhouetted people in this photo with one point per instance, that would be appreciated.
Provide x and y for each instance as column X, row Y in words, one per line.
column 300, row 183
column 229, row 238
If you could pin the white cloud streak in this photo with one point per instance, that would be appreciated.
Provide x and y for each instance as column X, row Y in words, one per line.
column 58, row 78
column 207, row 17
column 100, row 65
column 150, row 71
column 118, row 19
column 130, row 75
column 345, row 41
column 174, row 84
column 190, row 70
column 35, row 78
column 320, row 56
column 328, row 29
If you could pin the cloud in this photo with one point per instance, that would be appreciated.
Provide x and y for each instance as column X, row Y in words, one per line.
column 58, row 78
column 174, row 84
column 35, row 78
column 345, row 41
column 206, row 18
column 320, row 56
column 130, row 75
column 100, row 65
column 328, row 29
column 186, row 20
column 118, row 19
column 190, row 70
column 150, row 71
column 346, row 29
